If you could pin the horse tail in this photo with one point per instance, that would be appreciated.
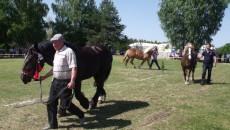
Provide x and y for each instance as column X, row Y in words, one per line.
column 126, row 54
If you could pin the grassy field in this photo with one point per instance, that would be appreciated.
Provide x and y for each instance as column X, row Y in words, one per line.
column 136, row 99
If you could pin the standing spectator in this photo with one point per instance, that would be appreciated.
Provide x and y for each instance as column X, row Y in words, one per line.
column 65, row 72
column 154, row 59
column 208, row 63
column 220, row 55
column 217, row 56
column 225, row 58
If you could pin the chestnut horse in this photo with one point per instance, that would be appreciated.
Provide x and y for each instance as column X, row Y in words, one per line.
column 140, row 55
column 188, row 62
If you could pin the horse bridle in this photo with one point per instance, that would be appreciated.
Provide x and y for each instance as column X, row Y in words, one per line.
column 40, row 58
column 26, row 73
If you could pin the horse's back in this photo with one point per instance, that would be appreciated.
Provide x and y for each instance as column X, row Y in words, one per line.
column 135, row 53
column 93, row 60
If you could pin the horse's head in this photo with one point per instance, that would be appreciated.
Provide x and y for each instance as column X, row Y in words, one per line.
column 155, row 50
column 188, row 50
column 31, row 64
column 150, row 50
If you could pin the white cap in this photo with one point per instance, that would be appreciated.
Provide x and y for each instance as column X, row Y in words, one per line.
column 57, row 37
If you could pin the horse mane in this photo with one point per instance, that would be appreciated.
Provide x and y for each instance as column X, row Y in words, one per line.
column 46, row 46
column 187, row 46
column 148, row 49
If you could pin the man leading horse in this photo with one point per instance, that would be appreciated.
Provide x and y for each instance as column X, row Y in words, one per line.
column 208, row 63
column 65, row 72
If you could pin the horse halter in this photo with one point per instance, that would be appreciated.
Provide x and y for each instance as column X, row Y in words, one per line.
column 38, row 67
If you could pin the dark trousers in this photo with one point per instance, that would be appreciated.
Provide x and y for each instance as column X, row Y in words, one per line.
column 156, row 64
column 66, row 103
column 207, row 66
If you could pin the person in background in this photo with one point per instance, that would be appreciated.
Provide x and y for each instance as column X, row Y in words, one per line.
column 154, row 59
column 207, row 63
column 65, row 72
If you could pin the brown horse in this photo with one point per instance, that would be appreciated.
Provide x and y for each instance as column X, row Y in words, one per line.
column 140, row 55
column 188, row 62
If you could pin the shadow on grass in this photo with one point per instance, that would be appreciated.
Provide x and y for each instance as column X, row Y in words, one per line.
column 152, row 69
column 199, row 81
column 102, row 115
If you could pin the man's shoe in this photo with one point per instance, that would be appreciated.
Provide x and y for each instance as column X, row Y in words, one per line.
column 82, row 120
column 202, row 83
column 208, row 83
column 49, row 127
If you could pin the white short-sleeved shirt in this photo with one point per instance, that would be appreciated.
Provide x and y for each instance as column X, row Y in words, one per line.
column 64, row 61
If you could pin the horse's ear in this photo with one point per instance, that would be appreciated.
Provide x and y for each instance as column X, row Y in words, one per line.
column 36, row 46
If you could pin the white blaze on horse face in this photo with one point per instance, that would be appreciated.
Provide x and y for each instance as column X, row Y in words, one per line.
column 189, row 53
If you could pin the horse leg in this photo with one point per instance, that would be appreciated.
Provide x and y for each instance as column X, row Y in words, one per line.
column 193, row 70
column 188, row 75
column 99, row 92
column 100, row 95
column 148, row 64
column 131, row 61
column 185, row 76
column 141, row 64
column 127, row 60
column 80, row 96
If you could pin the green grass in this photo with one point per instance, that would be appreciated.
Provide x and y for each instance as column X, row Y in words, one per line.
column 136, row 99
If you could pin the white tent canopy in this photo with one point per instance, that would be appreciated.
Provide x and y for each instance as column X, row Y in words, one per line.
column 141, row 46
column 164, row 49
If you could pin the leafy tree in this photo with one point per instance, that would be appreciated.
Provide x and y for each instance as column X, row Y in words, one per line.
column 193, row 21
column 69, row 20
column 110, row 29
column 82, row 23
column 27, row 24
column 6, row 16
column 91, row 24
column 224, row 49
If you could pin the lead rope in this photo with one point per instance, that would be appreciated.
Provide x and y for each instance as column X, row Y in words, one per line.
column 55, row 97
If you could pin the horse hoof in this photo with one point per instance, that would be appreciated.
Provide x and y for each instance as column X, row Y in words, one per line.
column 100, row 102
column 101, row 99
column 186, row 83
column 91, row 105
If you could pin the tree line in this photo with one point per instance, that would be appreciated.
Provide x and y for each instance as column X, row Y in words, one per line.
column 224, row 49
column 82, row 22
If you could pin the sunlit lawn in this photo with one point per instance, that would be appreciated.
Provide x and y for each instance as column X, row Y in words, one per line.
column 136, row 99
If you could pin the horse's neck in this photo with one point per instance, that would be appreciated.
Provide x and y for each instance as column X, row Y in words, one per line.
column 48, row 54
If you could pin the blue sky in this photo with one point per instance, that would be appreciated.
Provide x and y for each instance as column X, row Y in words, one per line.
column 142, row 22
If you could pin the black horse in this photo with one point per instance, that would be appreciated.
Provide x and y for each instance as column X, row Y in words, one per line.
column 92, row 61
